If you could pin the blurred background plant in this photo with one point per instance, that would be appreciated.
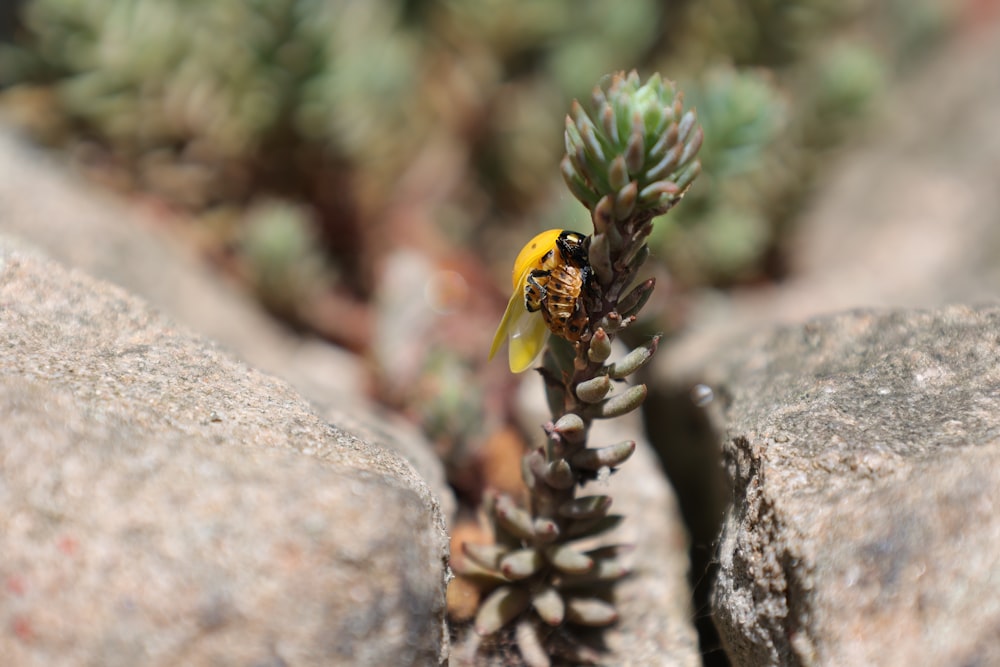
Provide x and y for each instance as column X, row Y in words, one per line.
column 369, row 169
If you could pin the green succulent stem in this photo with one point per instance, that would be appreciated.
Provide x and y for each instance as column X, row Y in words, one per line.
column 630, row 156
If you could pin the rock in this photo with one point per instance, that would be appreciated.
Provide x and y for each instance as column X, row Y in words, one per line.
column 163, row 504
column 906, row 217
column 865, row 523
column 127, row 245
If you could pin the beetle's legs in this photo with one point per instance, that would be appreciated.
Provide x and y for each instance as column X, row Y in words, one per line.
column 534, row 291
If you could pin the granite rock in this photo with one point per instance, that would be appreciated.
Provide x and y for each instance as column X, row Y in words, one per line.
column 163, row 504
column 864, row 452
column 127, row 243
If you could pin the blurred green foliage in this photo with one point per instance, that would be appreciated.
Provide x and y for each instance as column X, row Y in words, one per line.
column 226, row 76
column 329, row 103
column 278, row 239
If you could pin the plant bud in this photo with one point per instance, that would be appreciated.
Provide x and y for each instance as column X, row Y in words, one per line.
column 600, row 347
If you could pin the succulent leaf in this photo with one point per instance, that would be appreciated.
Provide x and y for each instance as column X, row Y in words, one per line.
column 604, row 572
column 549, row 604
column 638, row 139
column 634, row 360
column 625, row 200
column 592, row 612
column 611, row 551
column 486, row 555
column 610, row 456
column 594, row 389
column 569, row 423
column 560, row 475
column 500, row 608
column 633, row 302
column 600, row 257
column 600, row 578
column 514, row 519
column 531, row 645
column 622, row 403
column 521, row 564
column 567, row 559
column 600, row 347
column 546, row 530
column 478, row 574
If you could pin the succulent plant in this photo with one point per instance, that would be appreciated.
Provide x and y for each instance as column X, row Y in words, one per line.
column 630, row 156
column 723, row 230
column 282, row 256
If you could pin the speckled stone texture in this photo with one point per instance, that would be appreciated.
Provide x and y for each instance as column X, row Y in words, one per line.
column 864, row 450
column 163, row 504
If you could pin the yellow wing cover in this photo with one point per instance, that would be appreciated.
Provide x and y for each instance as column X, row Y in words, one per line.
column 527, row 333
column 525, row 330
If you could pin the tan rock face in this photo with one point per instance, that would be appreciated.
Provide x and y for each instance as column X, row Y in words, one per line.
column 162, row 504
column 864, row 451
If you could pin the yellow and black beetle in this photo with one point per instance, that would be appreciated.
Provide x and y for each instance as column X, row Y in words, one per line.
column 549, row 274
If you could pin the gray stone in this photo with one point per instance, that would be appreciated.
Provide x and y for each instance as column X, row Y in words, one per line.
column 904, row 217
column 128, row 245
column 864, row 450
column 163, row 504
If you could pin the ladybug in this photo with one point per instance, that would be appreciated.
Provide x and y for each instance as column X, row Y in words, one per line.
column 549, row 274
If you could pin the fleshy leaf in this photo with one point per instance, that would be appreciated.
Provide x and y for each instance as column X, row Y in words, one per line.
column 549, row 604
column 567, row 559
column 500, row 608
column 521, row 564
column 622, row 403
column 592, row 612
column 634, row 360
column 610, row 456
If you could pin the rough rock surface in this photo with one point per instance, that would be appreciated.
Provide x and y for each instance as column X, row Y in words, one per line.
column 865, row 525
column 163, row 504
column 91, row 230
column 905, row 217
